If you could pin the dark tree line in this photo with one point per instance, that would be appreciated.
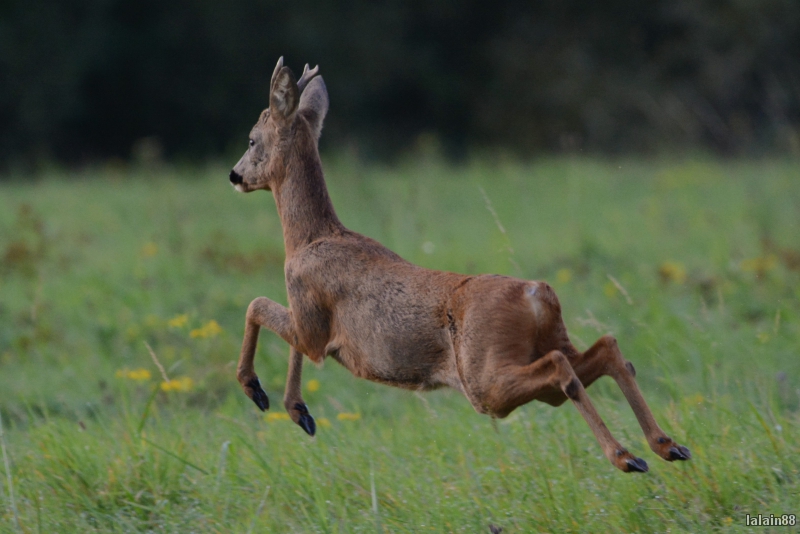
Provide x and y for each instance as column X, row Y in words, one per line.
column 84, row 79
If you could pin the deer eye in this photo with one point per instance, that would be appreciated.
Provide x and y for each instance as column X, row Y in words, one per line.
column 252, row 143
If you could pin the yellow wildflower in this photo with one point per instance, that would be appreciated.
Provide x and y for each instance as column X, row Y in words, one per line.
column 344, row 416
column 760, row 265
column 672, row 271
column 277, row 416
column 695, row 399
column 132, row 332
column 138, row 375
column 313, row 385
column 149, row 250
column 610, row 289
column 213, row 328
column 210, row 329
column 179, row 321
column 183, row 383
column 563, row 276
column 324, row 422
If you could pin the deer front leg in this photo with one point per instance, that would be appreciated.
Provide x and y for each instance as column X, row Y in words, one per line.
column 605, row 358
column 269, row 314
column 292, row 397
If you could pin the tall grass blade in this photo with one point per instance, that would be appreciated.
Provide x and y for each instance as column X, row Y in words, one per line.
column 179, row 458
column 767, row 430
column 7, row 465
column 259, row 510
column 155, row 360
column 223, row 454
column 502, row 229
column 147, row 410
column 374, row 495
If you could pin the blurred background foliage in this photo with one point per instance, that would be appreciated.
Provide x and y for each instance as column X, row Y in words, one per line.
column 82, row 80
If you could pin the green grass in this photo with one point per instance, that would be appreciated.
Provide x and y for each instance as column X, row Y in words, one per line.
column 693, row 265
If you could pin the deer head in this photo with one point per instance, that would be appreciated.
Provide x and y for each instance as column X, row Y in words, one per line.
column 289, row 127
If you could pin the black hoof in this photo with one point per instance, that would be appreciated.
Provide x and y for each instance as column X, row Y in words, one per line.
column 637, row 465
column 679, row 453
column 259, row 396
column 306, row 422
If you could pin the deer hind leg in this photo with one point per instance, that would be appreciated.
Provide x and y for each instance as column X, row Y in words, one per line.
column 605, row 358
column 261, row 312
column 293, row 399
column 552, row 378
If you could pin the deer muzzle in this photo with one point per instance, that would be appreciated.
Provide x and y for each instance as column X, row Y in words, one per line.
column 236, row 178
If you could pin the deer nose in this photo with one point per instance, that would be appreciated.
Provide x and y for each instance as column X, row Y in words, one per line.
column 236, row 178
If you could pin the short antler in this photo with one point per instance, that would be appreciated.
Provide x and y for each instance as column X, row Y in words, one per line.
column 306, row 77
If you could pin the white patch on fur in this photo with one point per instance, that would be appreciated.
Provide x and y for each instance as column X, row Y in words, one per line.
column 238, row 187
column 536, row 304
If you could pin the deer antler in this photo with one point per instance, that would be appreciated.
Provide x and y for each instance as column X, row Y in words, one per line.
column 306, row 77
column 276, row 71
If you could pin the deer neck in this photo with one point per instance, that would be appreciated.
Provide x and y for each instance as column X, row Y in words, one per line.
column 304, row 206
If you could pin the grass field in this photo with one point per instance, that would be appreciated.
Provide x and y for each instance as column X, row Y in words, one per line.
column 693, row 265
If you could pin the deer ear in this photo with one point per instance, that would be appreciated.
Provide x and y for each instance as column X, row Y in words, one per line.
column 283, row 96
column 314, row 104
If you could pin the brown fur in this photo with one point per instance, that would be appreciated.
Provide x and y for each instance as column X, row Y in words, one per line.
column 501, row 341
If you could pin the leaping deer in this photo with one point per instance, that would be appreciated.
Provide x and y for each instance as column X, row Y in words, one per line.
column 500, row 341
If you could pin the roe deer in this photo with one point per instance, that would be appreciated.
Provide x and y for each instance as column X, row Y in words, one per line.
column 500, row 341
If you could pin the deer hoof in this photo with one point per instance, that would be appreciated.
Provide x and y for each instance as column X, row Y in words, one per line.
column 306, row 422
column 679, row 453
column 636, row 465
column 257, row 393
